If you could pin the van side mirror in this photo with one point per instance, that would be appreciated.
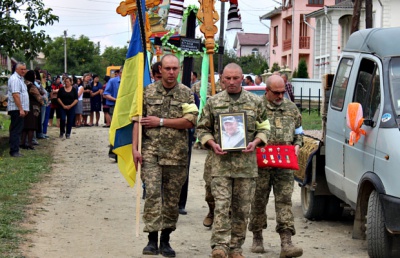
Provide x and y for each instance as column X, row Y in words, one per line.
column 369, row 122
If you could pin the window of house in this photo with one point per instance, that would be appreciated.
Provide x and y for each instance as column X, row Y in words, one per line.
column 368, row 91
column 340, row 85
column 316, row 2
column 275, row 36
column 254, row 52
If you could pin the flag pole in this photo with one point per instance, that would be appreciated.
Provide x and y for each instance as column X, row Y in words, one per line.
column 138, row 179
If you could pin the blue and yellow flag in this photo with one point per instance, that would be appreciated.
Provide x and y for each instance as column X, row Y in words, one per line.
column 135, row 76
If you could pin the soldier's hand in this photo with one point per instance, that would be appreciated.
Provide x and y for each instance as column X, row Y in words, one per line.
column 216, row 148
column 250, row 147
column 137, row 157
column 150, row 121
column 296, row 150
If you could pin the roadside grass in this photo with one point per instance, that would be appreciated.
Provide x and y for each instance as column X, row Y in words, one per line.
column 17, row 177
column 311, row 121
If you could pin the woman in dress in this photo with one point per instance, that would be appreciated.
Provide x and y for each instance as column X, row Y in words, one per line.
column 95, row 102
column 87, row 88
column 67, row 98
column 31, row 121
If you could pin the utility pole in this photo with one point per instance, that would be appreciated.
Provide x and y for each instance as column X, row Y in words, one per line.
column 29, row 27
column 65, row 51
column 221, row 36
column 9, row 68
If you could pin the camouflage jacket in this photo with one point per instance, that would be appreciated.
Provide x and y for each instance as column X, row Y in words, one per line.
column 234, row 164
column 284, row 120
column 168, row 144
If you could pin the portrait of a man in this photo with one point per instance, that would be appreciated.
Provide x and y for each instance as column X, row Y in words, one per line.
column 233, row 132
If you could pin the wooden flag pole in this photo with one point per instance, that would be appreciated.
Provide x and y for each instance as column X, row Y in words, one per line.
column 209, row 16
column 138, row 179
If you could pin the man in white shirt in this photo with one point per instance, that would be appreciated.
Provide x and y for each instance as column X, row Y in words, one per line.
column 258, row 81
column 18, row 107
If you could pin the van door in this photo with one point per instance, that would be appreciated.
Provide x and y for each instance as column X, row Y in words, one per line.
column 336, row 123
column 359, row 158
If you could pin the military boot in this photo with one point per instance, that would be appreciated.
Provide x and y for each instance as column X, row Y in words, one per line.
column 218, row 253
column 287, row 247
column 152, row 245
column 165, row 249
column 257, row 246
column 236, row 255
column 209, row 219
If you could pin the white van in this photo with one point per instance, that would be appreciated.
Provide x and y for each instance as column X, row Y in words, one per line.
column 366, row 175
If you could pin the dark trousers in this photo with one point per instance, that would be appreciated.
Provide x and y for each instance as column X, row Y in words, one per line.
column 69, row 116
column 184, row 190
column 16, row 127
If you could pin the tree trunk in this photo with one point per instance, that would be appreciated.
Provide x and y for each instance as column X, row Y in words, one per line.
column 355, row 23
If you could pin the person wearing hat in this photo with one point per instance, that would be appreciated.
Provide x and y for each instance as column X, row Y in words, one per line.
column 233, row 173
column 233, row 135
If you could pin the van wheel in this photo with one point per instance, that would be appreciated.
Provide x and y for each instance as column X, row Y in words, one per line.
column 312, row 206
column 334, row 209
column 378, row 239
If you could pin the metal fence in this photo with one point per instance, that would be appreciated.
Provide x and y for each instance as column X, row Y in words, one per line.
column 307, row 94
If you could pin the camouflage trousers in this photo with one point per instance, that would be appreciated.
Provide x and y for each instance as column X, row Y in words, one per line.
column 281, row 180
column 207, row 178
column 163, row 188
column 230, row 231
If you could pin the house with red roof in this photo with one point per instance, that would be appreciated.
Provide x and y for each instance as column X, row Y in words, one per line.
column 246, row 44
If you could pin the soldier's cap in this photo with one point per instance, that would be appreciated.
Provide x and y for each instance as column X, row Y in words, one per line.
column 228, row 119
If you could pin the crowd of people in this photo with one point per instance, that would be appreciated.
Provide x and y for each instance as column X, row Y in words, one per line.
column 35, row 97
column 237, row 190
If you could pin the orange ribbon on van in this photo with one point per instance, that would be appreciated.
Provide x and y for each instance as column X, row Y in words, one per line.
column 354, row 118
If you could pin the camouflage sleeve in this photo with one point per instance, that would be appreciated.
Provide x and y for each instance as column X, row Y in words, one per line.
column 262, row 133
column 190, row 110
column 298, row 135
column 205, row 124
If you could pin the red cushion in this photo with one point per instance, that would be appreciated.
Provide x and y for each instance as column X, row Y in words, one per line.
column 277, row 156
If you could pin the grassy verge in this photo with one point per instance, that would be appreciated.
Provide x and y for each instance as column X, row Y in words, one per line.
column 311, row 121
column 17, row 176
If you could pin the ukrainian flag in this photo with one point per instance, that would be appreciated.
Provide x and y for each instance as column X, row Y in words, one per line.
column 135, row 76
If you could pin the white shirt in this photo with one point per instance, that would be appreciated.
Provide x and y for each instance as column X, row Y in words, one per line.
column 16, row 84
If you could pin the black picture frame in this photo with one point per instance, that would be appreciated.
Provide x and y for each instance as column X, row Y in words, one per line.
column 233, row 131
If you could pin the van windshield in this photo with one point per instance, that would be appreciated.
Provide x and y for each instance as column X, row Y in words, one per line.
column 394, row 73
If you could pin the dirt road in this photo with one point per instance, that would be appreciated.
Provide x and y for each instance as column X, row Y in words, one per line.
column 86, row 209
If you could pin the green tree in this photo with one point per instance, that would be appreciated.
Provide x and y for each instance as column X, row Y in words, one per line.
column 114, row 55
column 302, row 69
column 14, row 35
column 294, row 75
column 249, row 64
column 83, row 56
column 275, row 67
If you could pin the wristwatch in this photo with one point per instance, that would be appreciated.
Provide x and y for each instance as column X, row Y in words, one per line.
column 161, row 121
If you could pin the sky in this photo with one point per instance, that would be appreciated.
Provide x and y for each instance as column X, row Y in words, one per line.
column 98, row 20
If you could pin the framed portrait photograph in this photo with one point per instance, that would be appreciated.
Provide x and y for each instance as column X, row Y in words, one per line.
column 233, row 128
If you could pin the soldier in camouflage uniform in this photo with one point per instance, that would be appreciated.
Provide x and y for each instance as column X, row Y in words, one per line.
column 286, row 129
column 168, row 111
column 233, row 173
column 209, row 219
